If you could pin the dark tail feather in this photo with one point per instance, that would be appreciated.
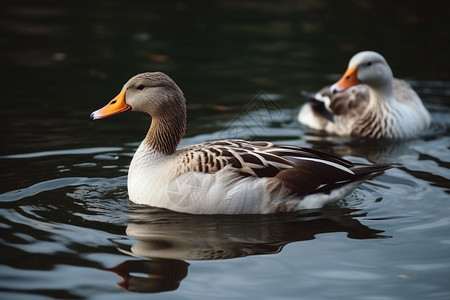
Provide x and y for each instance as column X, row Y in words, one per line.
column 308, row 95
column 318, row 105
column 362, row 170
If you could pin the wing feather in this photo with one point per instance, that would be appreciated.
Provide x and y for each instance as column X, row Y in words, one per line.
column 303, row 170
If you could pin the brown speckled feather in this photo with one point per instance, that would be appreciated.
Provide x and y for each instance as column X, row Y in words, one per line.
column 350, row 102
column 303, row 170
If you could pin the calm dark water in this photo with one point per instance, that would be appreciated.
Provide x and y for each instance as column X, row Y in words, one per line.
column 67, row 228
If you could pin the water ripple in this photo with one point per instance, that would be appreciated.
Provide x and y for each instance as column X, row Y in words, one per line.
column 65, row 152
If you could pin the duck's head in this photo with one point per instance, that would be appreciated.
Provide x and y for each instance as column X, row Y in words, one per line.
column 153, row 92
column 365, row 67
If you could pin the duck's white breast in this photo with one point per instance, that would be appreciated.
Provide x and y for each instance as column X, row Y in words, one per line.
column 224, row 192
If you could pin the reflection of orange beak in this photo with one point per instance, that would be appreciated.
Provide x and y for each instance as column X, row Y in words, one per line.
column 349, row 79
column 114, row 107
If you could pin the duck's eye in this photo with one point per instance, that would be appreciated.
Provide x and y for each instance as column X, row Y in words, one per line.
column 140, row 87
column 369, row 64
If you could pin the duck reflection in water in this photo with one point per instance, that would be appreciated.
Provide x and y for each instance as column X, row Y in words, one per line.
column 158, row 275
column 167, row 239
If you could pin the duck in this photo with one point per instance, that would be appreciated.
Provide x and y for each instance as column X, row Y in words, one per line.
column 368, row 102
column 231, row 176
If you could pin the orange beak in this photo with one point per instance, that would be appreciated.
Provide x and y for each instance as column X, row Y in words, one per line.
column 349, row 79
column 114, row 107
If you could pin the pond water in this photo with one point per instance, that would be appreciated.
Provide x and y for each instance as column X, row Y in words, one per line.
column 68, row 230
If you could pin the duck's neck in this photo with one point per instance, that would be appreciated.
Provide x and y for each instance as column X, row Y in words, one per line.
column 382, row 94
column 166, row 131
